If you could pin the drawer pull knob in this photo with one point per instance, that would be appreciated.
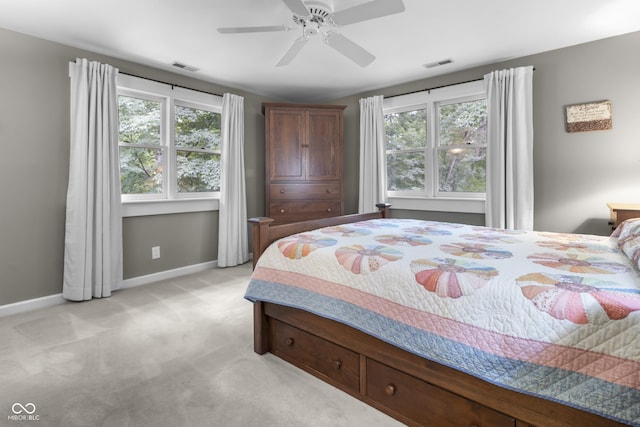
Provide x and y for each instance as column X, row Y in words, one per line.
column 337, row 364
column 281, row 210
column 328, row 209
column 329, row 190
column 282, row 190
column 390, row 390
column 290, row 342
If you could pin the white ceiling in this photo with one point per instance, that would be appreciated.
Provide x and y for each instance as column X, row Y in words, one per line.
column 469, row 32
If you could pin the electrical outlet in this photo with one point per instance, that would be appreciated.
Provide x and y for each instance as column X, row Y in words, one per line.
column 155, row 252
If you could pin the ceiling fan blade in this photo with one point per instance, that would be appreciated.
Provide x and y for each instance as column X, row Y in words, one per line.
column 292, row 51
column 238, row 30
column 371, row 10
column 297, row 7
column 351, row 50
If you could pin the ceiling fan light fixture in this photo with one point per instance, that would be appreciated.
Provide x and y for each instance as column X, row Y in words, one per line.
column 312, row 30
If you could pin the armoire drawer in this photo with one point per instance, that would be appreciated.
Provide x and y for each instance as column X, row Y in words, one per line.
column 425, row 403
column 317, row 356
column 304, row 209
column 323, row 191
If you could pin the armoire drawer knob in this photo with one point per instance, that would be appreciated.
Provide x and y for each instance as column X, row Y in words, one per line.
column 290, row 342
column 281, row 210
column 282, row 190
column 337, row 364
column 328, row 209
column 390, row 390
column 328, row 190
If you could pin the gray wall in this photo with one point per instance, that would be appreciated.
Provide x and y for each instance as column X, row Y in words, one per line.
column 184, row 239
column 34, row 136
column 576, row 174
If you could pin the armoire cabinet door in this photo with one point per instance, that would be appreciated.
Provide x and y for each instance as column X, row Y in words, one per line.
column 286, row 148
column 323, row 136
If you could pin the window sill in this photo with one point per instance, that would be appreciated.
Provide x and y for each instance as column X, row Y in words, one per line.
column 438, row 204
column 163, row 207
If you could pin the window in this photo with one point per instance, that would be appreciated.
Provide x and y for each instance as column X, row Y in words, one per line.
column 142, row 153
column 197, row 141
column 436, row 148
column 169, row 141
column 462, row 147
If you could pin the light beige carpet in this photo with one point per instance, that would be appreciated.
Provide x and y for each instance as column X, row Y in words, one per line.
column 173, row 353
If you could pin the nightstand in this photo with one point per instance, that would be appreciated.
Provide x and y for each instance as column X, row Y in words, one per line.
column 622, row 211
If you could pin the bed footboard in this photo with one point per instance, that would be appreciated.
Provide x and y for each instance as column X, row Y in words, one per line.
column 263, row 233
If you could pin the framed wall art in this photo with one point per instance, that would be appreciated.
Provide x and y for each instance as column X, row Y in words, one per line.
column 589, row 116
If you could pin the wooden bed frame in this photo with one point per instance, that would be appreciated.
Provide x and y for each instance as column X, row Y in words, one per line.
column 407, row 387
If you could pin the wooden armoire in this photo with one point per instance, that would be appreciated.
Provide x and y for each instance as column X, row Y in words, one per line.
column 303, row 154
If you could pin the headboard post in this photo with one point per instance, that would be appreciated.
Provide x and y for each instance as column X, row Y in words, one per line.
column 384, row 209
column 259, row 236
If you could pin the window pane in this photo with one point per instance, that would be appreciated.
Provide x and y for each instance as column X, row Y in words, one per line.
column 139, row 120
column 198, row 172
column 405, row 172
column 463, row 123
column 140, row 170
column 197, row 128
column 406, row 130
column 462, row 170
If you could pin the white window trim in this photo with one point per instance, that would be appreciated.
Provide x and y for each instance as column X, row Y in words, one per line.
column 165, row 204
column 441, row 204
column 429, row 99
column 168, row 206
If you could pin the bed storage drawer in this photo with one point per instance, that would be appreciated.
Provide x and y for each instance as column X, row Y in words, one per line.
column 322, row 358
column 424, row 403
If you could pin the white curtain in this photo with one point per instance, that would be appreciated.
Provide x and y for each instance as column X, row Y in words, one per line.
column 93, row 233
column 373, row 171
column 510, row 148
column 233, row 244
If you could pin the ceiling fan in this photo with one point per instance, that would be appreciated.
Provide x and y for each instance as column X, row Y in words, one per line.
column 317, row 17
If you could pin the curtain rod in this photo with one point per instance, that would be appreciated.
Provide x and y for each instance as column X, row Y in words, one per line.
column 432, row 88
column 170, row 84
column 435, row 87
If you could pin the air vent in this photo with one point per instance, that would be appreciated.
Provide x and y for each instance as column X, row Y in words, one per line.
column 183, row 66
column 438, row 63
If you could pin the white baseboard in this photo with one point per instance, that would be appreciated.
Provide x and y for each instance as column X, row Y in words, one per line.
column 31, row 304
column 56, row 299
column 168, row 274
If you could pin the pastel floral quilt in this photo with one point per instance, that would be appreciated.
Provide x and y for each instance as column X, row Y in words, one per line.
column 548, row 314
